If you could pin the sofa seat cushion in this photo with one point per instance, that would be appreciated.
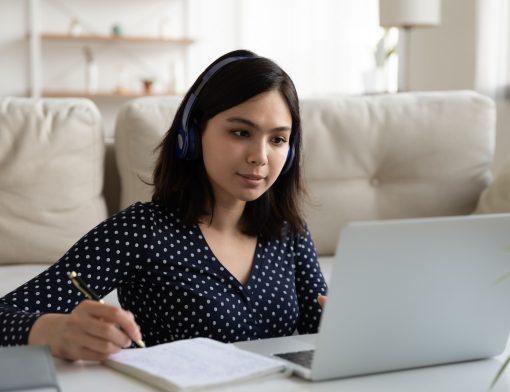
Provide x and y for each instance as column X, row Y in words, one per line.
column 51, row 165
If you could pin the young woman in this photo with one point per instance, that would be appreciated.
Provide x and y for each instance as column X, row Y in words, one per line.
column 222, row 250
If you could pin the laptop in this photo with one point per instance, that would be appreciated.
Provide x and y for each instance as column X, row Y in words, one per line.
column 405, row 294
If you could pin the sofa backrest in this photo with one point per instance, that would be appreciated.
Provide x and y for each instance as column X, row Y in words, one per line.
column 51, row 176
column 364, row 157
column 395, row 156
column 140, row 126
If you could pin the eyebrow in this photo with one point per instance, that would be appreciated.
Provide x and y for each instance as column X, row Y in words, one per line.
column 253, row 125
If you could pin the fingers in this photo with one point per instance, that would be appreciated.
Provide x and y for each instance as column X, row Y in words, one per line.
column 321, row 299
column 94, row 330
column 100, row 347
column 74, row 353
column 101, row 331
column 116, row 316
column 90, row 348
column 90, row 332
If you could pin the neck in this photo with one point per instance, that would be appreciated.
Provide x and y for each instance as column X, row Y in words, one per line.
column 225, row 218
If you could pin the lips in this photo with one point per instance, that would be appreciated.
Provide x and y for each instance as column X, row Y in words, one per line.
column 253, row 177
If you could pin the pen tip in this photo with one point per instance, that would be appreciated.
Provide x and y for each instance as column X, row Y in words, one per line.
column 140, row 343
column 72, row 274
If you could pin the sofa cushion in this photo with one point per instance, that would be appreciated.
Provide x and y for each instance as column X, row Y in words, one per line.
column 496, row 198
column 364, row 157
column 51, row 165
column 394, row 156
column 139, row 128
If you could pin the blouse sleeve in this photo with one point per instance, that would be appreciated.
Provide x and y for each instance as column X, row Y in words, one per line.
column 105, row 258
column 309, row 284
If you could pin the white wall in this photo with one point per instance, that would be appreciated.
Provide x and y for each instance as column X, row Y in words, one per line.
column 503, row 135
column 14, row 72
column 444, row 58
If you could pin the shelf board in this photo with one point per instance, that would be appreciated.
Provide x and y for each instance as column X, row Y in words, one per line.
column 112, row 38
column 99, row 94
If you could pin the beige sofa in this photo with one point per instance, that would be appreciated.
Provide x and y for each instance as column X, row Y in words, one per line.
column 365, row 157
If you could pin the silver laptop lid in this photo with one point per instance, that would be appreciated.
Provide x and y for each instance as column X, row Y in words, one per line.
column 411, row 293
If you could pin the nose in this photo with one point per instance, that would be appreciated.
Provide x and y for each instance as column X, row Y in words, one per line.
column 257, row 154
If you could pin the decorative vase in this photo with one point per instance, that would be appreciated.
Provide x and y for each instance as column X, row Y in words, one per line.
column 91, row 77
column 374, row 81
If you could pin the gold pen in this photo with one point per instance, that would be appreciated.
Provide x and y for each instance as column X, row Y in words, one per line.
column 90, row 294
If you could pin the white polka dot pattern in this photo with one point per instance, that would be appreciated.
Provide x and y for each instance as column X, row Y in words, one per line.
column 168, row 277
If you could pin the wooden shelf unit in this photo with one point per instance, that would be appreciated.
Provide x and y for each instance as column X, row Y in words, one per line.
column 99, row 94
column 116, row 39
column 57, row 42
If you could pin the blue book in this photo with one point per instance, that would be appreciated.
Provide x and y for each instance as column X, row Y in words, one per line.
column 27, row 368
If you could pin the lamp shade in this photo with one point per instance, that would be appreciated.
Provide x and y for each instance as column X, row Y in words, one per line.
column 409, row 13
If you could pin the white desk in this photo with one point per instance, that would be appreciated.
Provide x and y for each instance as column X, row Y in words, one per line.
column 467, row 377
column 473, row 376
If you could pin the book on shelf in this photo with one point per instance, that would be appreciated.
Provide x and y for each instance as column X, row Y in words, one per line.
column 192, row 364
column 27, row 369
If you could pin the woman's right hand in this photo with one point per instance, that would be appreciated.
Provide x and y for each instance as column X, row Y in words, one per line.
column 92, row 331
column 321, row 299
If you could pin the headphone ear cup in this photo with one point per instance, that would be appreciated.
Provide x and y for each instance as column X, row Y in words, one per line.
column 187, row 144
column 289, row 160
column 194, row 145
column 182, row 145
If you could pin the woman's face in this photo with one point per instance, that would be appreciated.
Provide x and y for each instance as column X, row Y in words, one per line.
column 245, row 147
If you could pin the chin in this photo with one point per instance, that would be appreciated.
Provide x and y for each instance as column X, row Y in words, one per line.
column 250, row 196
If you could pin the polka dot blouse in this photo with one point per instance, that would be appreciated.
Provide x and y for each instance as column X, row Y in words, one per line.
column 166, row 274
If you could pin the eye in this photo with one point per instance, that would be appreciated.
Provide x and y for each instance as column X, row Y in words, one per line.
column 278, row 140
column 241, row 133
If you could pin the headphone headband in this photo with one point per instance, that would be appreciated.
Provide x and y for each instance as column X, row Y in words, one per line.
column 187, row 136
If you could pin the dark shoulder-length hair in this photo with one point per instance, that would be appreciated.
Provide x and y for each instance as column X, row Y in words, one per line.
column 183, row 185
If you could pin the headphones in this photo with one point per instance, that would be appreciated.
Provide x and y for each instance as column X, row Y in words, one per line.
column 187, row 146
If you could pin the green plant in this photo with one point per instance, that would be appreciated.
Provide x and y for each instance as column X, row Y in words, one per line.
column 382, row 53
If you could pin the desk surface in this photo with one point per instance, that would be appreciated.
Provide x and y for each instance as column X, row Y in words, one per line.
column 473, row 376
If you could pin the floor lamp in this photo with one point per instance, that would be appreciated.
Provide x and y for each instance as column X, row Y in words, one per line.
column 406, row 15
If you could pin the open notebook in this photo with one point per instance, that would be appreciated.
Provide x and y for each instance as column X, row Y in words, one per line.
column 194, row 364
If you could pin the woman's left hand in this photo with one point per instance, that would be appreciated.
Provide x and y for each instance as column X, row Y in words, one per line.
column 321, row 299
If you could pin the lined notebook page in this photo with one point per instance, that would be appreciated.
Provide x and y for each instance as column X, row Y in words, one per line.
column 192, row 363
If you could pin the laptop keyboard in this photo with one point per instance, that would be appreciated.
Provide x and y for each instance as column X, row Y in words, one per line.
column 303, row 358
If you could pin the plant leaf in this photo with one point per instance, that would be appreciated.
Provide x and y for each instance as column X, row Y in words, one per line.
column 500, row 372
column 502, row 278
column 506, row 249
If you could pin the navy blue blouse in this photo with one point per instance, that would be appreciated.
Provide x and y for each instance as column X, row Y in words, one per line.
column 165, row 273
